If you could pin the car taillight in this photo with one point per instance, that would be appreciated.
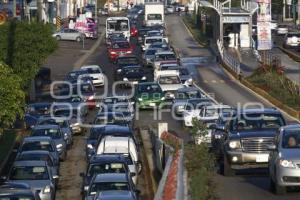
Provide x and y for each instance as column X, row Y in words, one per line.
column 91, row 98
column 112, row 52
column 128, row 51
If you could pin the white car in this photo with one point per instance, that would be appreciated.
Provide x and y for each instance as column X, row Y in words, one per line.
column 282, row 30
column 96, row 73
column 150, row 40
column 169, row 82
column 205, row 113
column 122, row 145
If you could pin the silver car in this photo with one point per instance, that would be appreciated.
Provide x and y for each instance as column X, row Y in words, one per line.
column 69, row 34
column 37, row 175
column 284, row 159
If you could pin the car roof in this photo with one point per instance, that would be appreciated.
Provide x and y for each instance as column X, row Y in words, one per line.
column 37, row 138
column 40, row 104
column 25, row 163
column 108, row 113
column 165, row 52
column 112, row 128
column 259, row 111
column 188, row 89
column 13, row 192
column 34, row 152
column 217, row 106
column 105, row 158
column 46, row 126
column 115, row 195
column 111, row 177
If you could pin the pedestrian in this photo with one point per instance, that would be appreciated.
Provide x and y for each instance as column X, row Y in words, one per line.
column 186, row 10
column 179, row 9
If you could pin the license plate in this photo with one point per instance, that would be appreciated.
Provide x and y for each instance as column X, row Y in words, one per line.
column 152, row 104
column 262, row 158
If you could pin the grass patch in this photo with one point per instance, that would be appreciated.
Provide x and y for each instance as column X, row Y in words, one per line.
column 189, row 21
column 278, row 86
column 6, row 142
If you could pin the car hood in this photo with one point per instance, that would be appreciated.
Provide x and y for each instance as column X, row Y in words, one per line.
column 34, row 184
column 150, row 96
column 290, row 154
column 178, row 102
column 254, row 133
column 171, row 87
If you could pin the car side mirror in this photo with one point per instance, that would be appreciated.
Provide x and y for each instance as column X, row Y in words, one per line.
column 132, row 174
column 272, row 147
column 55, row 177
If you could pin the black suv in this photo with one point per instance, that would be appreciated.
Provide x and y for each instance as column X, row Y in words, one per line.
column 245, row 139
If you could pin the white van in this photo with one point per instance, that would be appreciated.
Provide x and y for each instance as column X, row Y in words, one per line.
column 125, row 146
column 150, row 40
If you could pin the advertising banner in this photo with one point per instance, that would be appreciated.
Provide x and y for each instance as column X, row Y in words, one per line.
column 264, row 36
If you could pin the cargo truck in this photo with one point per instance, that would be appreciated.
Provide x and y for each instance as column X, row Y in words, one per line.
column 154, row 13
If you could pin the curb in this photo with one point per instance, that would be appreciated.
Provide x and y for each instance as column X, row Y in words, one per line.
column 83, row 58
column 291, row 54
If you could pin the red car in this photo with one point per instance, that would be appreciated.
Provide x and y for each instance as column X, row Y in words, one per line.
column 118, row 48
column 133, row 31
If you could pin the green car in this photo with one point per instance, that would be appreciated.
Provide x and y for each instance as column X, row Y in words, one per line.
column 148, row 95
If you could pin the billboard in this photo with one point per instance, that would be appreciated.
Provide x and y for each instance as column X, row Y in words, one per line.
column 264, row 36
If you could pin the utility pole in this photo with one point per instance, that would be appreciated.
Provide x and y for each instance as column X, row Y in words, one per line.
column 39, row 10
column 14, row 8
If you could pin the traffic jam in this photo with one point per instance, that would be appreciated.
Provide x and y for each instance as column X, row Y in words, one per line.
column 149, row 75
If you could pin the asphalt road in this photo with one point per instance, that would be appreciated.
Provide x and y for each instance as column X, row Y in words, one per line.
column 251, row 184
column 70, row 181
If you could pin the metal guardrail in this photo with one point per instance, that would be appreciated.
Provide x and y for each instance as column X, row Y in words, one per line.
column 228, row 59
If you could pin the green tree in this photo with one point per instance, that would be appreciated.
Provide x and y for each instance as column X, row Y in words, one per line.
column 12, row 97
column 24, row 47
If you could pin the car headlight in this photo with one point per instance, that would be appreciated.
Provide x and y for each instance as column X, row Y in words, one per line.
column 89, row 146
column 171, row 95
column 59, row 146
column 75, row 124
column 47, row 189
column 234, row 144
column 65, row 136
column 190, row 80
column 287, row 163
column 181, row 107
column 163, row 98
column 140, row 99
column 144, row 78
column 125, row 79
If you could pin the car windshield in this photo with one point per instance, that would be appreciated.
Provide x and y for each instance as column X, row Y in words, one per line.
column 107, row 120
column 104, row 186
column 129, row 70
column 61, row 123
column 39, row 109
column 29, row 173
column 66, row 112
column 169, row 80
column 291, row 139
column 212, row 112
column 34, row 156
column 128, row 61
column 154, row 16
column 149, row 88
column 37, row 145
column 188, row 95
column 152, row 40
column 247, row 122
column 121, row 45
column 150, row 52
column 93, row 70
column 106, row 168
column 51, row 132
column 183, row 71
column 154, row 33
column 161, row 57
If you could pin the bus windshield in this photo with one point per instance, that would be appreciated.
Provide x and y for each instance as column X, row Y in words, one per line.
column 118, row 25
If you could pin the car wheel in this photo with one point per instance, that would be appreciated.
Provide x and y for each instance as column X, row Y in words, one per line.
column 78, row 39
column 227, row 170
column 58, row 38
